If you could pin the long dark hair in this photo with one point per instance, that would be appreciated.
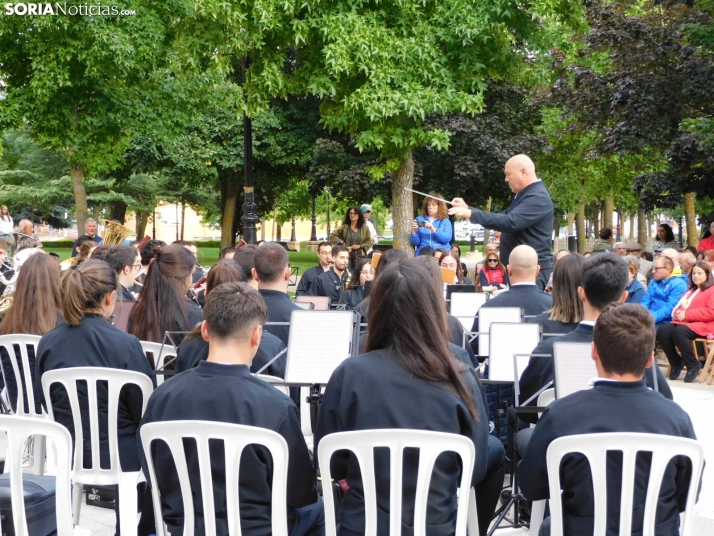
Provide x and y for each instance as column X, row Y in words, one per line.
column 162, row 304
column 707, row 270
column 403, row 319
column 668, row 229
column 360, row 220
column 361, row 263
column 36, row 300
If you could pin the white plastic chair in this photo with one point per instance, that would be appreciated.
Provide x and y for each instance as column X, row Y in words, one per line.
column 235, row 438
column 538, row 507
column 162, row 353
column 430, row 444
column 116, row 379
column 595, row 448
column 25, row 391
column 18, row 429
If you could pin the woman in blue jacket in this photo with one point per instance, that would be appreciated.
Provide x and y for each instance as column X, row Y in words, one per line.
column 433, row 228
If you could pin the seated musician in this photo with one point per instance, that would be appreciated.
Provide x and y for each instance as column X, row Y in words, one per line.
column 222, row 389
column 332, row 282
column 620, row 401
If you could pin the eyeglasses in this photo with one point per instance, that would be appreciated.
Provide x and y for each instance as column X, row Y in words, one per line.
column 135, row 266
column 326, row 252
column 655, row 268
column 353, row 214
column 492, row 260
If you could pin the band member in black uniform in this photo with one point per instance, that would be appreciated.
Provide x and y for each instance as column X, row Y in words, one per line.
column 35, row 310
column 194, row 348
column 163, row 304
column 332, row 282
column 324, row 254
column 222, row 389
column 354, row 293
column 407, row 379
column 87, row 339
column 126, row 262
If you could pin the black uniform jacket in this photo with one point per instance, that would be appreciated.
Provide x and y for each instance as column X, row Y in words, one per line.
column 193, row 350
column 329, row 284
column 609, row 407
column 96, row 343
column 229, row 394
column 280, row 308
column 307, row 279
column 373, row 391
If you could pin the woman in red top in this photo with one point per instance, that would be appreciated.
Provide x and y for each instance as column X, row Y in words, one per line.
column 493, row 273
column 692, row 318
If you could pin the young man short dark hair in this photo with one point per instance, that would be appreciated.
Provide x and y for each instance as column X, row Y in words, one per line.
column 620, row 401
column 222, row 389
column 324, row 257
column 126, row 262
column 332, row 282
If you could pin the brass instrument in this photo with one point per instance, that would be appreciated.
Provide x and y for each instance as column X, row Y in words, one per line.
column 115, row 233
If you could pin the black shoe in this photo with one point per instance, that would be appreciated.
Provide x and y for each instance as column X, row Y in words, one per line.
column 692, row 373
column 676, row 371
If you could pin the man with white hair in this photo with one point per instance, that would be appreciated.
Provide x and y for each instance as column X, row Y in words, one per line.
column 90, row 229
column 620, row 248
column 673, row 255
column 687, row 262
column 528, row 221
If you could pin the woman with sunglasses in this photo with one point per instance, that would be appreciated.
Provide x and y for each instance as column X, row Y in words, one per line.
column 493, row 273
column 354, row 294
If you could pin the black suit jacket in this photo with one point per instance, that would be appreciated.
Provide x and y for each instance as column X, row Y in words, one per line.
column 280, row 309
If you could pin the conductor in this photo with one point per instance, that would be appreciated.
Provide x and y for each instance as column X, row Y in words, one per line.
column 529, row 219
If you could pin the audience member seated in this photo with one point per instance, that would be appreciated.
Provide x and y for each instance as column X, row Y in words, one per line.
column 673, row 255
column 524, row 293
column 634, row 288
column 692, row 318
column 664, row 291
column 641, row 278
column 354, row 294
column 126, row 262
column 619, row 248
column 272, row 273
column 493, row 274
column 707, row 241
column 163, row 305
column 222, row 389
column 665, row 238
column 567, row 310
column 408, row 379
column 487, row 250
column 147, row 253
column 620, row 401
column 87, row 339
column 635, row 249
column 603, row 282
column 35, row 310
column 194, row 349
column 324, row 256
column 687, row 260
column 332, row 282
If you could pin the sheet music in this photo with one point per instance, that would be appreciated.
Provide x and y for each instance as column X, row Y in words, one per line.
column 507, row 340
column 494, row 314
column 319, row 342
column 574, row 367
column 465, row 305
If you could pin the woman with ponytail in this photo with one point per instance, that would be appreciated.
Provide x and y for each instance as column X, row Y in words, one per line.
column 407, row 379
column 163, row 303
column 87, row 339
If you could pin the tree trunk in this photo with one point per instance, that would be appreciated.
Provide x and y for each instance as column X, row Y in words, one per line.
column 631, row 235
column 80, row 197
column 96, row 212
column 262, row 228
column 580, row 229
column 642, row 228
column 608, row 207
column 571, row 220
column 183, row 218
column 402, row 203
column 690, row 212
column 142, row 219
column 231, row 186
column 292, row 230
column 118, row 212
column 486, row 231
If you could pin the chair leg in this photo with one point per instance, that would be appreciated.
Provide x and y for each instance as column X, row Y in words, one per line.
column 707, row 363
column 128, row 500
column 39, row 449
column 77, row 492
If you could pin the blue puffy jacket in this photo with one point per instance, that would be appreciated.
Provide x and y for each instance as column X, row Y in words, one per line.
column 662, row 296
column 441, row 239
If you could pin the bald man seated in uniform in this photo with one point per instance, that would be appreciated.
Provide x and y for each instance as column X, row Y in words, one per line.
column 528, row 221
column 523, row 270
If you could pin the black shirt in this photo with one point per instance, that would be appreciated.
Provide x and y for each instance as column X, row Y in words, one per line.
column 230, row 394
column 329, row 284
column 307, row 279
column 280, row 309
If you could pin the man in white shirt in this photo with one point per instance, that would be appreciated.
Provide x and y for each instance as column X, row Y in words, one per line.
column 367, row 213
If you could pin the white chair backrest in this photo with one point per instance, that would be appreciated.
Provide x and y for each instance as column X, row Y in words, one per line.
column 574, row 367
column 545, row 398
column 430, row 444
column 489, row 315
column 235, row 438
column 595, row 448
column 18, row 429
column 162, row 353
column 507, row 341
column 23, row 377
column 465, row 305
column 115, row 379
column 321, row 303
